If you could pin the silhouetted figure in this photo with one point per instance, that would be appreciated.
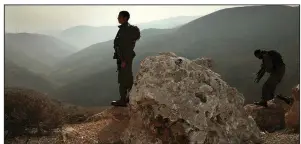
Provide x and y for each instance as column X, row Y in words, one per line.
column 272, row 63
column 124, row 44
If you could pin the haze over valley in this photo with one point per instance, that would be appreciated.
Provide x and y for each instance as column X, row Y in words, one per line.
column 75, row 64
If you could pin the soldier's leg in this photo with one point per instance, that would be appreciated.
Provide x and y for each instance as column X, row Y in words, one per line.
column 272, row 87
column 266, row 93
column 125, row 80
column 121, row 83
column 272, row 82
column 269, row 88
column 128, row 88
column 129, row 79
column 122, row 92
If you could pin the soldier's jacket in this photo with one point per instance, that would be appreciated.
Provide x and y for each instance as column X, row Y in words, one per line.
column 267, row 63
column 125, row 41
column 272, row 62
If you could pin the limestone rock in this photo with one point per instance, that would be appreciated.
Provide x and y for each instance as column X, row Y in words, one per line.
column 68, row 132
column 207, row 62
column 267, row 119
column 292, row 117
column 176, row 100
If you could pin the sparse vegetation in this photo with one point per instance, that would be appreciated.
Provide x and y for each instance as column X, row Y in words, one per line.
column 26, row 110
column 30, row 112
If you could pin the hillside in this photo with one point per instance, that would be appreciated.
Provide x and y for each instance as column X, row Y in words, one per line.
column 94, row 59
column 84, row 36
column 16, row 76
column 21, row 59
column 168, row 22
column 24, row 48
column 98, row 89
column 227, row 36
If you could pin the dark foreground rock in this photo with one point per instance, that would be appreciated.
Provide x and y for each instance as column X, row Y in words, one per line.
column 278, row 115
column 267, row 119
column 292, row 117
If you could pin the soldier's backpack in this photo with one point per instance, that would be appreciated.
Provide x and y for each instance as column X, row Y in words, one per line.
column 135, row 32
column 276, row 58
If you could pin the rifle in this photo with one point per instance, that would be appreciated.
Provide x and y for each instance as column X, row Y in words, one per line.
column 260, row 74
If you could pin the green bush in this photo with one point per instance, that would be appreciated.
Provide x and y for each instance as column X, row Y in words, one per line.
column 26, row 110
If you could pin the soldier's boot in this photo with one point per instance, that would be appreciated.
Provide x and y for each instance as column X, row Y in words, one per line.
column 122, row 102
column 119, row 103
column 261, row 103
column 287, row 100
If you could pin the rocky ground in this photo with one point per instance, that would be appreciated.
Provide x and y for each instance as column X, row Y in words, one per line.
column 281, row 137
column 107, row 126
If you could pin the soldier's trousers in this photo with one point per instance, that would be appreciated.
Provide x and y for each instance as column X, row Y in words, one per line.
column 125, row 80
column 270, row 85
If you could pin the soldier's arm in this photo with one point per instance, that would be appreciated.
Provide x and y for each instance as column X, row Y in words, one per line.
column 260, row 73
column 121, row 44
column 123, row 52
column 125, row 47
column 125, row 55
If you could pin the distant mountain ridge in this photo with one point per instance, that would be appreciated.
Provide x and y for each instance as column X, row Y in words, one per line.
column 31, row 57
column 84, row 36
column 228, row 36
column 35, row 51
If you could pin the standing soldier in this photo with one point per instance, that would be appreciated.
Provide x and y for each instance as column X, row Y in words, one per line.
column 272, row 63
column 124, row 44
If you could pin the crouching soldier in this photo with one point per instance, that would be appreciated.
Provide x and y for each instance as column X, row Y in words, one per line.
column 273, row 64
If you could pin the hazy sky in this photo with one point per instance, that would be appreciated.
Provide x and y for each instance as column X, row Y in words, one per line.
column 43, row 18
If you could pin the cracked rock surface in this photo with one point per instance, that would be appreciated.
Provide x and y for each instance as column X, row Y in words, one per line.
column 176, row 100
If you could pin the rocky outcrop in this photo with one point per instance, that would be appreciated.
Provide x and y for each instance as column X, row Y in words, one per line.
column 279, row 114
column 270, row 118
column 176, row 100
column 292, row 117
column 207, row 62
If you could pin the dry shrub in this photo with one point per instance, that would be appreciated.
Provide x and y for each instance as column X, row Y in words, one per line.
column 26, row 110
